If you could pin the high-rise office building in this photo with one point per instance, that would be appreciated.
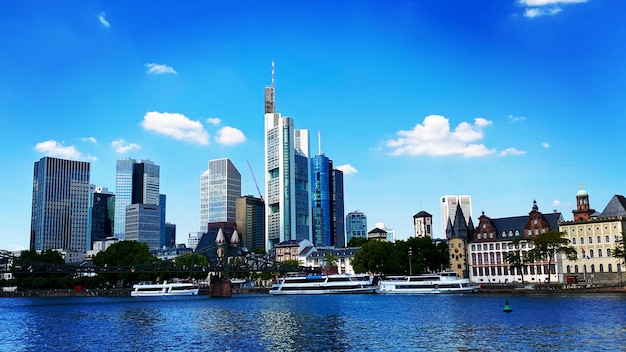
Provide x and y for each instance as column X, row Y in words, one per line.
column 220, row 187
column 286, row 177
column 251, row 222
column 136, row 182
column 102, row 215
column 356, row 225
column 448, row 209
column 327, row 213
column 60, row 205
column 143, row 224
column 163, row 240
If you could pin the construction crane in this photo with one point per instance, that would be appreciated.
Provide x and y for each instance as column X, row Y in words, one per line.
column 254, row 178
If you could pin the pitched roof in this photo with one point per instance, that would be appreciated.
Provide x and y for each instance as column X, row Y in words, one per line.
column 517, row 223
column 616, row 207
column 422, row 214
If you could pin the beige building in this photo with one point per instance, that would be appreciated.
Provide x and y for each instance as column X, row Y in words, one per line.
column 594, row 236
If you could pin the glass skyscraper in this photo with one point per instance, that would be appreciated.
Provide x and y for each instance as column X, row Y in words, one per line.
column 356, row 225
column 136, row 182
column 220, row 186
column 60, row 205
column 321, row 201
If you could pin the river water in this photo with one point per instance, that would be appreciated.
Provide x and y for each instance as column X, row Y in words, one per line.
column 257, row 322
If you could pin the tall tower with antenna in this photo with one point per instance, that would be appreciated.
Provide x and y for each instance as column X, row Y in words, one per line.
column 287, row 186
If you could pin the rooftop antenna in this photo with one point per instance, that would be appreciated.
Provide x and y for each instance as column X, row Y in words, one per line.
column 319, row 143
column 273, row 96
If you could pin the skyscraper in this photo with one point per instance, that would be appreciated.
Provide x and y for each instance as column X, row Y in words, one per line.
column 251, row 222
column 338, row 209
column 136, row 182
column 448, row 209
column 356, row 225
column 220, row 187
column 286, row 177
column 327, row 213
column 60, row 206
column 102, row 214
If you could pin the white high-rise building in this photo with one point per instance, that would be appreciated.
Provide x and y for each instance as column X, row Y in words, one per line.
column 288, row 210
column 448, row 210
column 220, row 186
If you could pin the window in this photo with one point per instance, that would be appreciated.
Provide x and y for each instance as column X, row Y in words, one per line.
column 601, row 268
column 569, row 269
column 484, row 247
column 460, row 244
column 600, row 253
column 491, row 246
column 576, row 269
column 573, row 240
column 591, row 253
column 607, row 239
column 530, row 232
column 490, row 234
column 516, row 232
column 478, row 236
column 590, row 240
column 473, row 247
column 582, row 240
column 497, row 245
column 503, row 233
column 536, row 231
column 610, row 268
column 608, row 252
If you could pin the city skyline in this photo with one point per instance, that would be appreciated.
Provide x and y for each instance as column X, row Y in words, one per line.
column 507, row 101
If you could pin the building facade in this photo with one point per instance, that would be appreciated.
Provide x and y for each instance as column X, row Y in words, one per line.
column 143, row 224
column 251, row 222
column 448, row 209
column 102, row 215
column 356, row 225
column 594, row 236
column 423, row 225
column 136, row 182
column 220, row 187
column 339, row 228
column 60, row 205
column 286, row 177
column 458, row 235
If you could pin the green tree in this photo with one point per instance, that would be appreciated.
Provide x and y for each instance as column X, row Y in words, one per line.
column 356, row 242
column 125, row 253
column 547, row 245
column 374, row 256
column 516, row 261
column 192, row 262
column 330, row 260
column 620, row 248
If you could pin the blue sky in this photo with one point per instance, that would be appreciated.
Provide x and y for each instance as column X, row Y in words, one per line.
column 505, row 100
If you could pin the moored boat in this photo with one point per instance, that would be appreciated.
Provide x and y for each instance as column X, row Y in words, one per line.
column 443, row 282
column 144, row 289
column 323, row 284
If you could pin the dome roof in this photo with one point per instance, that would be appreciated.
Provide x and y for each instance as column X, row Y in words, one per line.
column 582, row 192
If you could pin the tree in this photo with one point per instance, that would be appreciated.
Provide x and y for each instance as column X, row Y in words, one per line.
column 620, row 248
column 356, row 242
column 547, row 245
column 516, row 261
column 330, row 260
column 374, row 256
column 125, row 253
column 189, row 261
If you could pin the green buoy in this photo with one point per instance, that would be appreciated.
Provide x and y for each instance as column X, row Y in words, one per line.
column 507, row 308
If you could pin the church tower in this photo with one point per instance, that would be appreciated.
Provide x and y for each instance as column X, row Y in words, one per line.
column 582, row 212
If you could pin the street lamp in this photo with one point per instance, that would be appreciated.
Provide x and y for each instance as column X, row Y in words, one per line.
column 410, row 267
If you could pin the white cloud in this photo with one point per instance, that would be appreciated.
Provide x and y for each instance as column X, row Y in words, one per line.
column 545, row 144
column 230, row 136
column 177, row 126
column 512, row 151
column 122, row 147
column 538, row 8
column 514, row 119
column 159, row 69
column 556, row 203
column 103, row 20
column 347, row 169
column 89, row 139
column 55, row 149
column 434, row 138
column 214, row 121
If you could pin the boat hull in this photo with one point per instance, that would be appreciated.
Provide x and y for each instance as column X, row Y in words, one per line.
column 164, row 289
column 443, row 283
column 323, row 284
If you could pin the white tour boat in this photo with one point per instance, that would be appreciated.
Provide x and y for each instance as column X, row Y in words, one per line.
column 147, row 289
column 323, row 284
column 444, row 282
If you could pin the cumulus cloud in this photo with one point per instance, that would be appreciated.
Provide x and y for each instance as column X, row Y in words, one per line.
column 545, row 145
column 89, row 139
column 538, row 8
column 514, row 119
column 103, row 21
column 230, row 136
column 159, row 69
column 58, row 150
column 177, row 126
column 512, row 151
column 122, row 147
column 433, row 137
column 556, row 203
column 347, row 169
column 215, row 121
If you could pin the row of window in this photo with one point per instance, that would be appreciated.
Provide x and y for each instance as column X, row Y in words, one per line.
column 607, row 239
column 597, row 228
column 490, row 246
column 592, row 268
column 505, row 270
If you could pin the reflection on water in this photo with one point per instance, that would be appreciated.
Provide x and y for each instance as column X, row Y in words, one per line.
column 315, row 323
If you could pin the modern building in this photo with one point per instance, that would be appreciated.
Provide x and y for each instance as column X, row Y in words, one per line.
column 60, row 205
column 448, row 209
column 423, row 224
column 220, row 187
column 143, row 224
column 494, row 239
column 136, row 182
column 170, row 235
column 339, row 225
column 102, row 215
column 251, row 222
column 288, row 209
column 595, row 237
column 193, row 239
column 163, row 240
column 356, row 225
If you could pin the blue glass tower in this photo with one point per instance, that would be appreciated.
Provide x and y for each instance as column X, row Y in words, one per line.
column 321, row 201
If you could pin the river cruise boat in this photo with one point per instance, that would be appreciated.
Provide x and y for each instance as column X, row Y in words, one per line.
column 148, row 289
column 444, row 282
column 323, row 284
